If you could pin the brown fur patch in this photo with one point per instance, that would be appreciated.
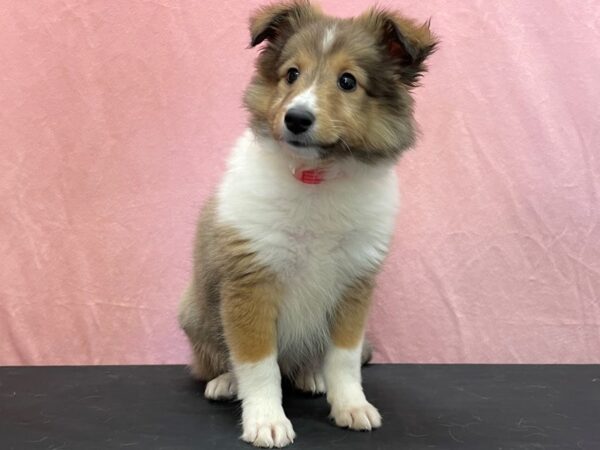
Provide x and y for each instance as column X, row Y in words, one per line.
column 407, row 42
column 348, row 324
column 280, row 19
column 228, row 289
column 249, row 312
column 209, row 358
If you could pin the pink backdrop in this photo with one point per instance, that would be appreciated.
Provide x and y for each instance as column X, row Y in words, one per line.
column 116, row 117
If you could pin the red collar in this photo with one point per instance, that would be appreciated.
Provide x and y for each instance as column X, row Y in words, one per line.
column 316, row 175
column 309, row 176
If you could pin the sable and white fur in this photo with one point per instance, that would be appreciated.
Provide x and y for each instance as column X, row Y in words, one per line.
column 284, row 270
column 317, row 240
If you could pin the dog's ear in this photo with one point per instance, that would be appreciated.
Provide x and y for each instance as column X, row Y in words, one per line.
column 407, row 43
column 280, row 20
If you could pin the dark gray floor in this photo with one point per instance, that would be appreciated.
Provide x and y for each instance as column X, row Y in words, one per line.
column 423, row 406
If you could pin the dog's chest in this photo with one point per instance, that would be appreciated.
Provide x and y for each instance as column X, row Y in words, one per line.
column 318, row 244
column 317, row 240
column 316, row 262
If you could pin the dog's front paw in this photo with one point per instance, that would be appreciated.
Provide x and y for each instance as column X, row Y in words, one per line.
column 224, row 387
column 356, row 417
column 268, row 427
column 310, row 381
column 273, row 434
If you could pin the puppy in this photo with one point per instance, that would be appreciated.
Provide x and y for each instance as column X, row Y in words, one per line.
column 289, row 245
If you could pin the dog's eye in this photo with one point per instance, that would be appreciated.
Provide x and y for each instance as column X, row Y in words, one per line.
column 292, row 75
column 347, row 82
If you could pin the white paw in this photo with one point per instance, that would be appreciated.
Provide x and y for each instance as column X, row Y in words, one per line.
column 357, row 417
column 223, row 387
column 310, row 381
column 267, row 428
column 274, row 434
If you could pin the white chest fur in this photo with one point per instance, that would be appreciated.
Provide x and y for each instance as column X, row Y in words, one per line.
column 316, row 238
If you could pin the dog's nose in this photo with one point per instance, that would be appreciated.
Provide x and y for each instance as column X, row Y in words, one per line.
column 298, row 120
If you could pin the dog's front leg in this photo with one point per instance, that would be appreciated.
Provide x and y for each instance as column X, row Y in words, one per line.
column 249, row 312
column 349, row 406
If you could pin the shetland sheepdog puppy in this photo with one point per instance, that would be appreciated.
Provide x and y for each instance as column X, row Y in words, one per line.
column 289, row 245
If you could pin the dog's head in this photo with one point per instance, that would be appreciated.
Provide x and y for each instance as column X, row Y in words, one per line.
column 328, row 87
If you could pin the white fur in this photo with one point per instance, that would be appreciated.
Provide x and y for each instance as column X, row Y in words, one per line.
column 259, row 387
column 310, row 380
column 224, row 387
column 349, row 407
column 317, row 238
column 307, row 99
column 308, row 153
column 328, row 39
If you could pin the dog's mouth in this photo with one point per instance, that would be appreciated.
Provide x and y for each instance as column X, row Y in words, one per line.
column 297, row 143
column 309, row 144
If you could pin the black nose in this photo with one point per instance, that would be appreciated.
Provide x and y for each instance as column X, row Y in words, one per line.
column 298, row 120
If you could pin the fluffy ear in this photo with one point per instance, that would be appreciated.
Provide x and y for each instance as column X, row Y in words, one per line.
column 406, row 42
column 280, row 19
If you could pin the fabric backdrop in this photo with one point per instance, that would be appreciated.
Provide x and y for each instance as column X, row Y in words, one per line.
column 116, row 118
